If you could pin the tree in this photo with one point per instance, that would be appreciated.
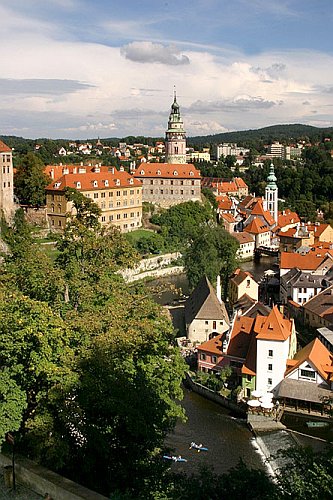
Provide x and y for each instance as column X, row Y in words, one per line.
column 208, row 193
column 30, row 181
column 211, row 253
column 36, row 358
column 13, row 404
column 307, row 474
column 180, row 223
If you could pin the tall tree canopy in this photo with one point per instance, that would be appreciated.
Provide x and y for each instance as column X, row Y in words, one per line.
column 30, row 181
column 211, row 253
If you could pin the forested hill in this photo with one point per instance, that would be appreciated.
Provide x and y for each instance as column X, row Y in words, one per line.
column 252, row 137
column 267, row 134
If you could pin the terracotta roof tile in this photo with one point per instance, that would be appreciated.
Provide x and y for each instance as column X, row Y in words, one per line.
column 309, row 261
column 273, row 327
column 243, row 237
column 4, row 148
column 169, row 170
column 256, row 226
column 318, row 355
column 104, row 180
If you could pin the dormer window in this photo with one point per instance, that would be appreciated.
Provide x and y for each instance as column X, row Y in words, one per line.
column 158, row 172
column 78, row 185
column 142, row 172
column 106, row 183
column 57, row 185
column 191, row 173
column 117, row 182
column 131, row 181
column 175, row 172
column 95, row 184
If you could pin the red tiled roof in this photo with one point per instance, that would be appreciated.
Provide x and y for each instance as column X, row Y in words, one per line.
column 256, row 226
column 258, row 209
column 318, row 355
column 287, row 217
column 240, row 182
column 273, row 327
column 87, row 181
column 243, row 237
column 310, row 261
column 224, row 202
column 228, row 217
column 4, row 148
column 213, row 346
column 169, row 170
column 290, row 233
column 240, row 337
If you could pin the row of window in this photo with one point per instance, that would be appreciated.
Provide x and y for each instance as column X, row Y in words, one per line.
column 161, row 182
column 6, row 184
column 123, row 203
column 4, row 170
column 171, row 191
column 118, row 193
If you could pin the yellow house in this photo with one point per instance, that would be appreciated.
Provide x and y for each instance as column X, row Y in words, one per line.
column 117, row 193
column 242, row 283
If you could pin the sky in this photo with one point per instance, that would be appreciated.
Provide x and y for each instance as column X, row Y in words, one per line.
column 81, row 69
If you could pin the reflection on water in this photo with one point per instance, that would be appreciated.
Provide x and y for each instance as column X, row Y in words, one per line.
column 228, row 439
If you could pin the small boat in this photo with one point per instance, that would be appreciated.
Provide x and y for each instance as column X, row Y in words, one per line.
column 317, row 424
column 174, row 458
column 198, row 447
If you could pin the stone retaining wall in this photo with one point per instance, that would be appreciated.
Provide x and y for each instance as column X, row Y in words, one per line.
column 152, row 264
column 213, row 396
column 41, row 481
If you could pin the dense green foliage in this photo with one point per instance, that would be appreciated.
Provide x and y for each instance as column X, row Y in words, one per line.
column 180, row 223
column 211, row 253
column 30, row 181
column 305, row 186
column 93, row 375
column 265, row 135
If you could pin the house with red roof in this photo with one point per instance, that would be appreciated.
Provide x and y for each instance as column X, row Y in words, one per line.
column 308, row 381
column 257, row 348
column 246, row 245
column 260, row 232
column 315, row 262
column 117, row 193
column 242, row 283
column 167, row 184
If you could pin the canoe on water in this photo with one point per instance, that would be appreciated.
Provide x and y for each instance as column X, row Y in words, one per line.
column 198, row 447
column 175, row 459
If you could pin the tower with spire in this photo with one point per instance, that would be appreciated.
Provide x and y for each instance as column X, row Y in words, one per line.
column 271, row 194
column 175, row 137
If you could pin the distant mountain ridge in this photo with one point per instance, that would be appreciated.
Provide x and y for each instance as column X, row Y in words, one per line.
column 291, row 132
column 294, row 132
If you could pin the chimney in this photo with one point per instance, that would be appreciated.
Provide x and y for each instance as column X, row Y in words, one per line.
column 52, row 173
column 218, row 289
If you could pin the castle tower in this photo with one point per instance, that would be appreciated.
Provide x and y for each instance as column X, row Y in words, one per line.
column 271, row 194
column 175, row 138
column 7, row 205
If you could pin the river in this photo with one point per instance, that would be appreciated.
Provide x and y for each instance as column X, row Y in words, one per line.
column 228, row 439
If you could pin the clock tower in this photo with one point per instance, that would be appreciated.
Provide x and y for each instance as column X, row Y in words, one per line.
column 175, row 138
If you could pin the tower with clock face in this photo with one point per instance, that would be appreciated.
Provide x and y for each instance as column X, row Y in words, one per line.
column 175, row 137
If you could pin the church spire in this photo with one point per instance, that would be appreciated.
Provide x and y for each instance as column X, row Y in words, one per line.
column 271, row 194
column 175, row 137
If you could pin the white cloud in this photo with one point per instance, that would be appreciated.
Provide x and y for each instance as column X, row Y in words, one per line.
column 148, row 52
column 62, row 87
